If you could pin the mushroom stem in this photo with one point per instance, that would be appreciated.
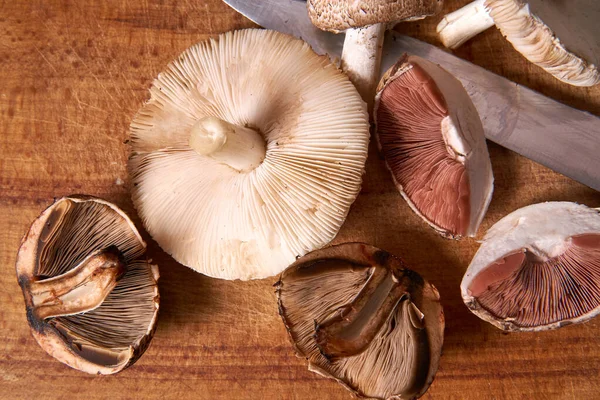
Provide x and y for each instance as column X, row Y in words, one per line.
column 241, row 148
column 81, row 289
column 352, row 327
column 361, row 59
column 463, row 24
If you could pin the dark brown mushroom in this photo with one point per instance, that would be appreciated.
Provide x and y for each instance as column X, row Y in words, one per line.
column 90, row 293
column 360, row 317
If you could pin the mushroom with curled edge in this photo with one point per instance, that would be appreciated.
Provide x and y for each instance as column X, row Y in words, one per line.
column 248, row 154
column 90, row 293
column 433, row 143
column 562, row 37
column 538, row 268
column 360, row 317
column 364, row 23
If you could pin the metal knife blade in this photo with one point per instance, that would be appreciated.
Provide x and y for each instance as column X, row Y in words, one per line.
column 562, row 138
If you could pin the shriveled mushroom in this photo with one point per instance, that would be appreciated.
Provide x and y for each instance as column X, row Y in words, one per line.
column 365, row 23
column 360, row 317
column 538, row 268
column 248, row 154
column 90, row 293
column 431, row 137
column 560, row 36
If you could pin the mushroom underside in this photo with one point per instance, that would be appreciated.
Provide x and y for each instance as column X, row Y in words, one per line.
column 251, row 222
column 107, row 334
column 411, row 117
column 114, row 332
column 398, row 357
column 530, row 291
column 558, row 36
column 73, row 230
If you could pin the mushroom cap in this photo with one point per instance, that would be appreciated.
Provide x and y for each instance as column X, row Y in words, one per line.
column 401, row 358
column 230, row 224
column 538, row 268
column 432, row 139
column 339, row 15
column 560, row 36
column 113, row 335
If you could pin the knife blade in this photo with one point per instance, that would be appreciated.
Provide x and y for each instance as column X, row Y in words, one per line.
column 560, row 137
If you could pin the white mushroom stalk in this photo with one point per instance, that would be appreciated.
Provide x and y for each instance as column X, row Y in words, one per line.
column 243, row 149
column 361, row 58
column 562, row 38
column 365, row 23
column 465, row 23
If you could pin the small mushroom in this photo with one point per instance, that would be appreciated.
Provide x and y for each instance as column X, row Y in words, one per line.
column 360, row 317
column 538, row 268
column 431, row 137
column 559, row 36
column 365, row 23
column 90, row 293
column 248, row 154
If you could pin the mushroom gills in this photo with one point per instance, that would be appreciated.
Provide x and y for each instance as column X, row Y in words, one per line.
column 432, row 140
column 574, row 23
column 276, row 158
column 538, row 268
column 90, row 293
column 67, row 237
column 530, row 290
column 558, row 36
column 351, row 328
column 554, row 35
column 109, row 334
column 368, row 317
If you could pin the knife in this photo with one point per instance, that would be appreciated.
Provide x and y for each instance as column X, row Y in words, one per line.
column 546, row 131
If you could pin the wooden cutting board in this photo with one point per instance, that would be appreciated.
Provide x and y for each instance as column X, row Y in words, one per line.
column 72, row 75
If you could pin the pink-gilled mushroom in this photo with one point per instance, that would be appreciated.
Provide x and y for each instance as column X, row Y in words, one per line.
column 431, row 137
column 248, row 154
column 562, row 37
column 90, row 293
column 538, row 268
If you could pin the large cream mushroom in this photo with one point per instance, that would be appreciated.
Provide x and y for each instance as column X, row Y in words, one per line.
column 365, row 23
column 432, row 139
column 248, row 154
column 538, row 268
column 563, row 37
column 90, row 293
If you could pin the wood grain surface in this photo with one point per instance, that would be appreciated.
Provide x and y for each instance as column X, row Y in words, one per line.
column 72, row 75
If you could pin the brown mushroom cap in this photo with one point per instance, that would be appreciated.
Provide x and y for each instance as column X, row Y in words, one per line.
column 90, row 293
column 339, row 15
column 360, row 317
column 538, row 268
column 432, row 139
